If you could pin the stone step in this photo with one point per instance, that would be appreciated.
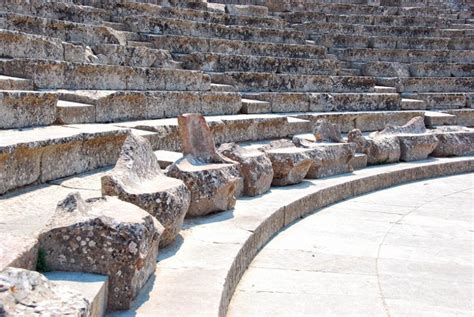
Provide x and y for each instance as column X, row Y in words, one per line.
column 385, row 89
column 404, row 55
column 213, row 62
column 296, row 102
column 442, row 100
column 41, row 47
column 464, row 117
column 60, row 11
column 370, row 19
column 20, row 109
column 260, row 82
column 312, row 11
column 115, row 106
column 183, row 44
column 379, row 30
column 434, row 118
column 47, row 74
column 250, row 106
column 15, row 83
column 38, row 155
column 222, row 88
column 164, row 26
column 393, row 42
column 392, row 69
column 92, row 286
column 147, row 9
column 64, row 30
column 412, row 104
column 166, row 158
column 164, row 134
column 428, row 84
column 74, row 112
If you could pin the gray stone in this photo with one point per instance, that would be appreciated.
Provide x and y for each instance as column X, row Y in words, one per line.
column 290, row 165
column 326, row 132
column 213, row 180
column 453, row 142
column 29, row 293
column 104, row 236
column 255, row 168
column 379, row 150
column 138, row 179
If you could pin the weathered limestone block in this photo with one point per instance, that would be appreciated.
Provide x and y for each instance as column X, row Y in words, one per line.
column 105, row 236
column 415, row 142
column 246, row 10
column 137, row 178
column 379, row 150
column 326, row 132
column 290, row 164
column 327, row 158
column 29, row 293
column 453, row 142
column 19, row 109
column 255, row 167
column 414, row 147
column 214, row 181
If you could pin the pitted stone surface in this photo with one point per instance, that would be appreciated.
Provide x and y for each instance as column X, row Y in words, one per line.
column 104, row 236
column 379, row 150
column 326, row 132
column 137, row 178
column 255, row 167
column 213, row 180
column 453, row 142
column 290, row 165
column 29, row 293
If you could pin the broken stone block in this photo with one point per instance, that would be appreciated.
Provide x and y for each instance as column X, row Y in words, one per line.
column 328, row 159
column 213, row 180
column 104, row 236
column 379, row 150
column 29, row 293
column 137, row 178
column 325, row 131
column 415, row 125
column 453, row 142
column 414, row 147
column 290, row 165
column 255, row 167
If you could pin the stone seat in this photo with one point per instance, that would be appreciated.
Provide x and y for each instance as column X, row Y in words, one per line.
column 47, row 74
column 405, row 55
column 146, row 24
column 435, row 69
column 347, row 28
column 444, row 100
column 38, row 155
column 214, row 62
column 214, row 181
column 137, row 178
column 15, row 83
column 148, row 9
column 392, row 42
column 20, row 109
column 453, row 141
column 42, row 47
column 260, row 82
column 290, row 165
column 184, row 44
column 464, row 117
column 64, row 30
column 428, row 84
column 116, row 106
column 320, row 102
column 310, row 12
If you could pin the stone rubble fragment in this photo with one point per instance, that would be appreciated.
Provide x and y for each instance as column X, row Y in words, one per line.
column 29, row 293
column 213, row 180
column 137, row 178
column 255, row 168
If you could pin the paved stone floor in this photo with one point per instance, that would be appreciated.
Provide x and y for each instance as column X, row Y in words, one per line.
column 403, row 251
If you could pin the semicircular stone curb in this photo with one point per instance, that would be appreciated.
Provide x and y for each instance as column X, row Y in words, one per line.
column 199, row 273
